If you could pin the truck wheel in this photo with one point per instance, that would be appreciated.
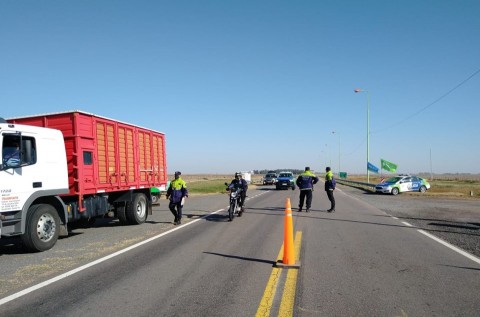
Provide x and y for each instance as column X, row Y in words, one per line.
column 42, row 228
column 137, row 209
column 121, row 214
column 155, row 199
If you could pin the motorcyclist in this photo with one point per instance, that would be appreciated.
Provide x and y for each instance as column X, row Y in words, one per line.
column 239, row 182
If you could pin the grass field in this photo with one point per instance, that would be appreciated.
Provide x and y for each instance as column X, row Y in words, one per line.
column 211, row 183
column 443, row 185
column 207, row 186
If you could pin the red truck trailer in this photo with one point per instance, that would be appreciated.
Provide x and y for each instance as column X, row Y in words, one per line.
column 109, row 168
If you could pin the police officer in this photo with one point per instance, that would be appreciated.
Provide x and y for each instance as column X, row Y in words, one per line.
column 176, row 193
column 330, row 187
column 305, row 182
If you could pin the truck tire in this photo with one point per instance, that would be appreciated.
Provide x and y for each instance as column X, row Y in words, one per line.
column 155, row 200
column 42, row 228
column 121, row 214
column 137, row 209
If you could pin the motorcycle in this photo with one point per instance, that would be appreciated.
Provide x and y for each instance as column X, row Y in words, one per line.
column 234, row 206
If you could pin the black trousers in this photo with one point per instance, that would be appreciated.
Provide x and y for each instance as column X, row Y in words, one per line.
column 308, row 194
column 176, row 209
column 331, row 198
column 243, row 194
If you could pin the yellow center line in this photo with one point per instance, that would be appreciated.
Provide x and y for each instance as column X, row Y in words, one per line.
column 288, row 297
column 267, row 299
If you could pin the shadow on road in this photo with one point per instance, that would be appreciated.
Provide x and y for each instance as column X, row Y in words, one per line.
column 415, row 227
column 265, row 188
column 242, row 258
column 268, row 208
column 461, row 267
column 12, row 246
column 445, row 223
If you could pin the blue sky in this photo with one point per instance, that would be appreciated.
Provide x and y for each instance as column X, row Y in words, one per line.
column 243, row 85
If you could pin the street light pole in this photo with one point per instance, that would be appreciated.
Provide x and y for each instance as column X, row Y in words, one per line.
column 368, row 129
column 333, row 132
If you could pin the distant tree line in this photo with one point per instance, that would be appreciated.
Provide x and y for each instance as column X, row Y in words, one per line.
column 293, row 170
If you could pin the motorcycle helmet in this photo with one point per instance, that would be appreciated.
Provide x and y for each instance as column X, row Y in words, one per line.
column 238, row 175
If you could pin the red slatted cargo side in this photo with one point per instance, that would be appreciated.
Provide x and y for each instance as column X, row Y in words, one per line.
column 124, row 156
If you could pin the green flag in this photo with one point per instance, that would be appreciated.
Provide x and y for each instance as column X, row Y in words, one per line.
column 388, row 166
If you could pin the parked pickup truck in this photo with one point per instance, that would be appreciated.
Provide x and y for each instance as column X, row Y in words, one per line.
column 285, row 180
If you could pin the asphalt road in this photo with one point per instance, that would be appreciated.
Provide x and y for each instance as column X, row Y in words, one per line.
column 456, row 220
column 357, row 261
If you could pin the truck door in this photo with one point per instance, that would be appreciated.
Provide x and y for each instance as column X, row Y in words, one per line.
column 85, row 166
column 18, row 175
column 88, row 176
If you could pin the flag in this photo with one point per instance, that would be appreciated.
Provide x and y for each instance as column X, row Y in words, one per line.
column 372, row 167
column 388, row 166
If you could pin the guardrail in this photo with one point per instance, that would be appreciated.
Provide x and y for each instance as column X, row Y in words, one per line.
column 368, row 186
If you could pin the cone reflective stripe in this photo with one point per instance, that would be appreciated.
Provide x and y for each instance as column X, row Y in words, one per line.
column 288, row 246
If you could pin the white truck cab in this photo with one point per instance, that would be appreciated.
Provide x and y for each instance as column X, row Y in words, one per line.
column 33, row 171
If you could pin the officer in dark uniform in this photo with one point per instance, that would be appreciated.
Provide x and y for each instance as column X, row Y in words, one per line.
column 305, row 182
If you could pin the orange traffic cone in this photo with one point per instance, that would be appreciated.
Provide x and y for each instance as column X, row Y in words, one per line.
column 288, row 246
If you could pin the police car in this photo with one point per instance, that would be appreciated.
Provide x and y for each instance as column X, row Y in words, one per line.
column 402, row 183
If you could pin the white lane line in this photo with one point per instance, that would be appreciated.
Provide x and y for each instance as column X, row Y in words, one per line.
column 445, row 243
column 105, row 258
column 251, row 197
column 450, row 246
column 86, row 266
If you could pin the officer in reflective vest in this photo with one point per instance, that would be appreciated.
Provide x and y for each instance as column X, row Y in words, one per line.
column 305, row 182
column 176, row 192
